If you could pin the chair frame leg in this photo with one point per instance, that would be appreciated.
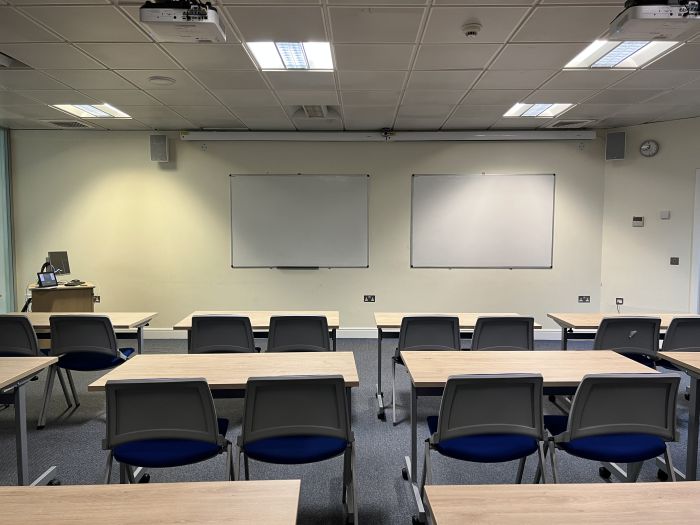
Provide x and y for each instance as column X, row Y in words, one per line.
column 72, row 388
column 669, row 464
column 349, row 487
column 521, row 470
column 552, row 458
column 64, row 387
column 393, row 391
column 633, row 470
column 123, row 476
column 48, row 388
column 427, row 474
column 246, row 470
column 541, row 457
column 230, row 474
column 108, row 469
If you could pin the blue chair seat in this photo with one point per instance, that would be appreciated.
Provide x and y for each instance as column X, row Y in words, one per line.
column 485, row 448
column 294, row 450
column 162, row 453
column 87, row 361
column 614, row 448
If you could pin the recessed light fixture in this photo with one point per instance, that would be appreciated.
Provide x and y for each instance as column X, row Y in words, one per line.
column 157, row 80
column 91, row 110
column 537, row 110
column 627, row 54
column 292, row 55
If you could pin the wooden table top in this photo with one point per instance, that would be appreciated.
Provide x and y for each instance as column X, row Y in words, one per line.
column 232, row 371
column 60, row 287
column 120, row 320
column 570, row 503
column 564, row 368
column 687, row 360
column 260, row 319
column 467, row 320
column 13, row 369
column 591, row 320
column 202, row 503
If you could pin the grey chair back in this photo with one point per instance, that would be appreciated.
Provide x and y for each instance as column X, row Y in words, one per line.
column 160, row 409
column 429, row 333
column 17, row 337
column 82, row 334
column 624, row 404
column 683, row 335
column 491, row 404
column 221, row 334
column 629, row 335
column 295, row 406
column 298, row 333
column 504, row 333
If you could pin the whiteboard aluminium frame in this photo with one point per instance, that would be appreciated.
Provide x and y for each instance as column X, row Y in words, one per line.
column 293, row 175
column 554, row 216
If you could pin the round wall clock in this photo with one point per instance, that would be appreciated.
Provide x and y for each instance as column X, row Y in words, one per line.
column 649, row 148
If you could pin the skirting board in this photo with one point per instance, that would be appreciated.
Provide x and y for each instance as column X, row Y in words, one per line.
column 545, row 334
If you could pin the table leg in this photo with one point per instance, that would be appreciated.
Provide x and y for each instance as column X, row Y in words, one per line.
column 334, row 339
column 21, row 435
column 380, row 394
column 411, row 469
column 139, row 339
column 564, row 339
column 693, row 424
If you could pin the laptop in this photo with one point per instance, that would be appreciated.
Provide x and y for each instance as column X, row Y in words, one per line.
column 47, row 279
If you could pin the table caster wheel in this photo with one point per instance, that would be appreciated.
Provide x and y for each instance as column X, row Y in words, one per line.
column 687, row 397
column 662, row 475
column 415, row 520
column 381, row 416
column 404, row 473
column 604, row 473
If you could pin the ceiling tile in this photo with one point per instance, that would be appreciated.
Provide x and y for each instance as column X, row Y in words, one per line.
column 220, row 123
column 482, row 112
column 535, row 56
column 88, row 23
column 24, row 124
column 684, row 57
column 184, row 97
column 60, row 96
column 442, row 79
column 592, row 111
column 61, row 2
column 18, row 80
column 15, row 27
column 245, row 97
column 675, row 97
column 273, row 1
column 559, row 96
column 327, row 124
column 8, row 98
column 119, row 124
column 139, row 77
column 647, row 111
column 89, row 79
column 361, row 57
column 524, row 79
column 454, row 56
column 482, row 2
column 417, row 123
column 231, row 79
column 375, row 24
column 521, row 123
column 623, row 96
column 130, row 56
column 125, row 97
column 415, row 97
column 301, row 80
column 262, row 112
column 210, row 56
column 445, row 24
column 425, row 111
column 279, row 23
column 139, row 112
column 371, row 80
column 268, row 124
column 50, row 56
column 585, row 79
column 495, row 96
column 479, row 123
column 202, row 113
column 657, row 79
column 369, row 2
column 370, row 98
column 566, row 24
column 369, row 118
column 168, row 123
column 300, row 98
column 38, row 111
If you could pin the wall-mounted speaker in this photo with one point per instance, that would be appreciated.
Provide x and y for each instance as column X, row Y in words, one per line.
column 615, row 145
column 159, row 148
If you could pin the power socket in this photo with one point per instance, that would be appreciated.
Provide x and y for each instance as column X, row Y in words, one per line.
column 584, row 298
column 96, row 298
column 619, row 301
column 369, row 298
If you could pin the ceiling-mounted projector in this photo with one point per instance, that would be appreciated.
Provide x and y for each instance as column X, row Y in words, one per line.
column 647, row 20
column 182, row 21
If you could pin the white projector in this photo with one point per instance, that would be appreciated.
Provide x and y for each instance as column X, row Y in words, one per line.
column 182, row 22
column 664, row 21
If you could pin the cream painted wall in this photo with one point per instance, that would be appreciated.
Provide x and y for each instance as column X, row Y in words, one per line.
column 157, row 238
column 635, row 261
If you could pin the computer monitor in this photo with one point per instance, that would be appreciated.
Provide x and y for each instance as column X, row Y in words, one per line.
column 59, row 260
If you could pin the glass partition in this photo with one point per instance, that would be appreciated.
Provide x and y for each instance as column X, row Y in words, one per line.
column 7, row 289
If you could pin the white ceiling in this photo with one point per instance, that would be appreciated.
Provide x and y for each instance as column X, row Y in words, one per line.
column 402, row 64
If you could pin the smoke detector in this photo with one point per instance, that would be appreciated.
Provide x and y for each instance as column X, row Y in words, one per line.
column 471, row 29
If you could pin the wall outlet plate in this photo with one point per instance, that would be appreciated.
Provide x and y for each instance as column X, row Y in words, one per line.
column 619, row 301
column 584, row 298
column 675, row 261
column 97, row 298
column 370, row 298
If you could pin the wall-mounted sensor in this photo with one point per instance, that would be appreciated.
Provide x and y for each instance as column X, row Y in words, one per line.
column 471, row 29
column 665, row 215
column 638, row 222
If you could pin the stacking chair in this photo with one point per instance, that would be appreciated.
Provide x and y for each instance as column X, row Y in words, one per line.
column 618, row 418
column 297, row 420
column 160, row 423
column 212, row 334
column 633, row 337
column 81, row 343
column 488, row 419
column 18, row 339
column 504, row 333
column 423, row 333
column 683, row 335
column 298, row 333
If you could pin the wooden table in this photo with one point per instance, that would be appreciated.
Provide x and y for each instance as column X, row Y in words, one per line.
column 15, row 373
column 260, row 320
column 690, row 363
column 210, row 503
column 120, row 321
column 389, row 324
column 429, row 370
column 63, row 298
column 573, row 321
column 571, row 504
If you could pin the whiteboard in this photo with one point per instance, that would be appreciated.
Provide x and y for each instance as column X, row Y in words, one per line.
column 299, row 221
column 482, row 221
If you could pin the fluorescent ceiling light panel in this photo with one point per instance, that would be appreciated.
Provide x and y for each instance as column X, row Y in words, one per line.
column 91, row 110
column 537, row 110
column 292, row 55
column 630, row 54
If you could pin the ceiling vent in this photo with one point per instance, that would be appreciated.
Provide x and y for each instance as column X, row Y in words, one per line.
column 68, row 124
column 314, row 112
column 570, row 124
